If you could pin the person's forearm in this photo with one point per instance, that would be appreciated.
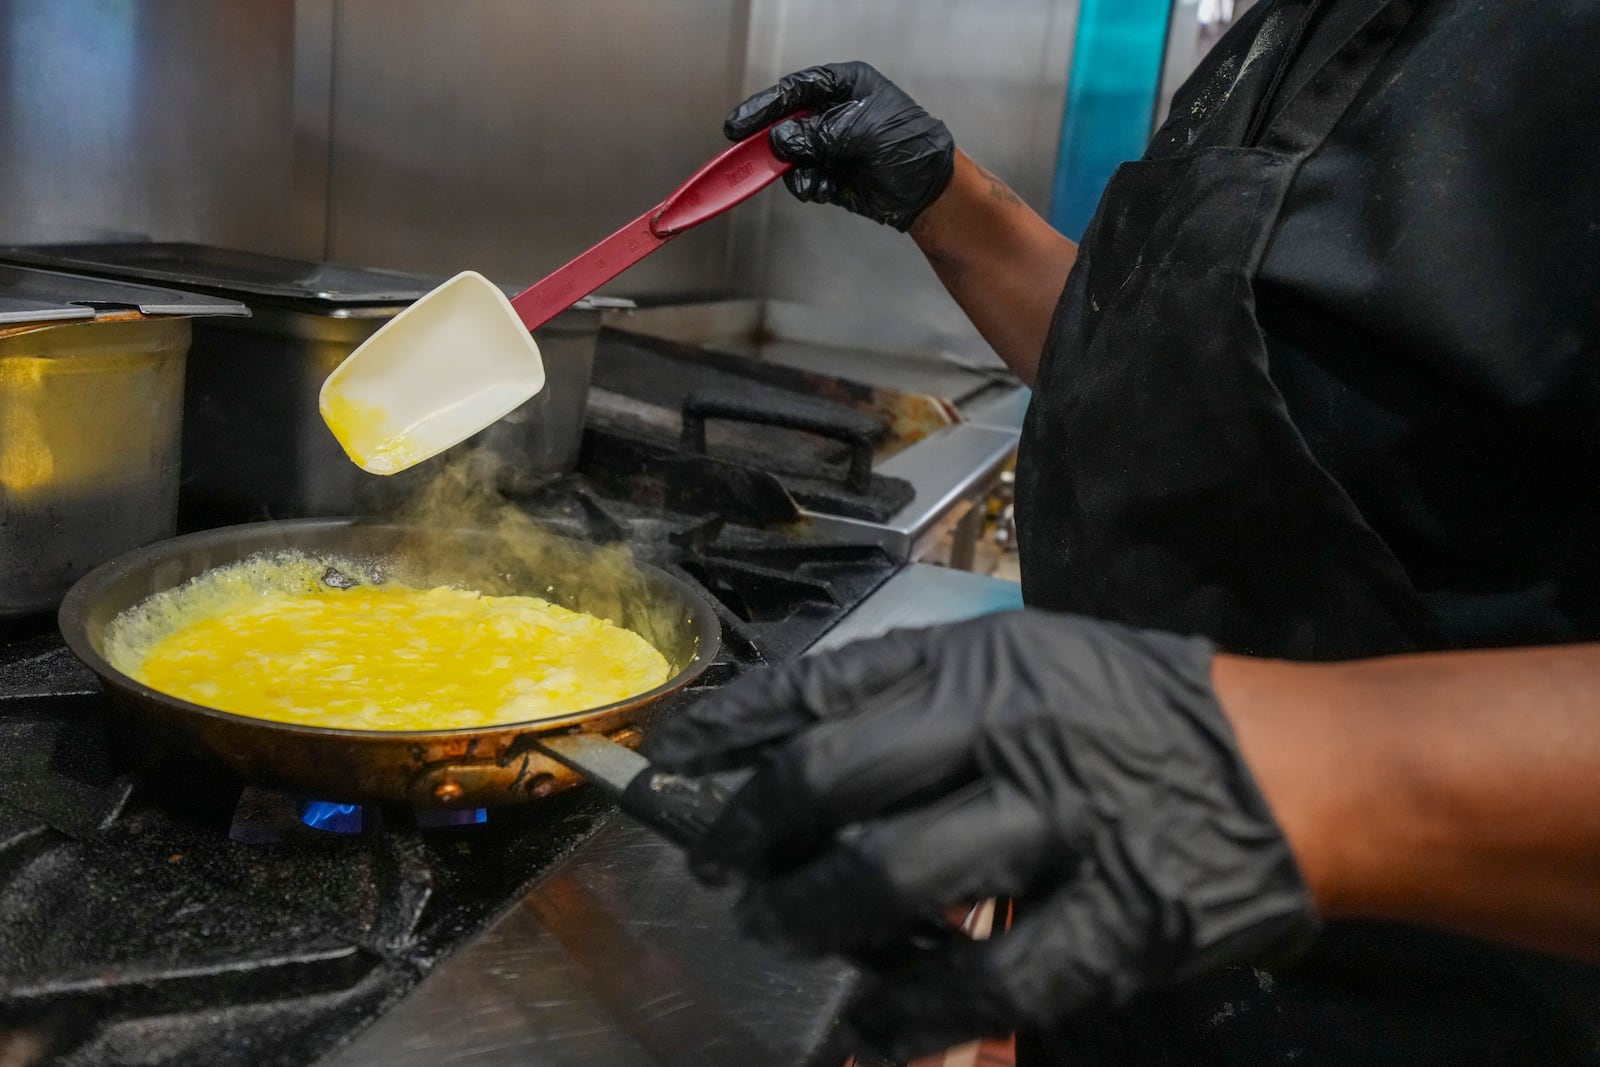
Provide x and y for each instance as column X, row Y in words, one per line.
column 1004, row 264
column 1460, row 790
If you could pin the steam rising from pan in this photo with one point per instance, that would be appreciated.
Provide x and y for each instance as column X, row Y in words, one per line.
column 528, row 558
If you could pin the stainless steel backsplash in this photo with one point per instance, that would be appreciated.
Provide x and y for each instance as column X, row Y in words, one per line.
column 505, row 135
column 173, row 118
column 994, row 70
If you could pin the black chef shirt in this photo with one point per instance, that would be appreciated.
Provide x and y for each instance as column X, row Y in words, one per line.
column 1430, row 301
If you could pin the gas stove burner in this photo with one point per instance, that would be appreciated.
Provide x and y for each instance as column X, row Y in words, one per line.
column 269, row 817
column 437, row 819
column 163, row 906
column 334, row 818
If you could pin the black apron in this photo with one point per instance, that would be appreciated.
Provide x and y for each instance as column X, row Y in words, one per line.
column 1163, row 483
column 1161, row 479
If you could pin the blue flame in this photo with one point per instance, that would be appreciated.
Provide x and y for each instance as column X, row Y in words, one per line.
column 336, row 818
column 432, row 819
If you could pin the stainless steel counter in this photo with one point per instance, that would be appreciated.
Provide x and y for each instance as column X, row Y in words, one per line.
column 1004, row 411
column 874, row 349
column 922, row 595
column 618, row 958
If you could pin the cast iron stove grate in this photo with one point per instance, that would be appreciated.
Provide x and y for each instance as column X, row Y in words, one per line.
column 774, row 592
column 134, row 930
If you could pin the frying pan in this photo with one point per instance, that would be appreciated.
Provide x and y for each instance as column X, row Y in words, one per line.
column 460, row 768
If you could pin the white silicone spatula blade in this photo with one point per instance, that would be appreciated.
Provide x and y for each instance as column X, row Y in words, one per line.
column 444, row 368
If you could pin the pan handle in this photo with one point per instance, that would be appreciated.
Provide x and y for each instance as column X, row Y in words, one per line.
column 683, row 809
column 680, row 809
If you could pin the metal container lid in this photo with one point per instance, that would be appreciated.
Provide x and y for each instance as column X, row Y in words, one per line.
column 31, row 295
column 230, row 270
column 249, row 274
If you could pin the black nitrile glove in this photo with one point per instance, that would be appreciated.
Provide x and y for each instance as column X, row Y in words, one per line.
column 868, row 147
column 1083, row 768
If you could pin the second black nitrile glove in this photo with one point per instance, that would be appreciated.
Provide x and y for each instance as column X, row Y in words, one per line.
column 867, row 146
column 1083, row 768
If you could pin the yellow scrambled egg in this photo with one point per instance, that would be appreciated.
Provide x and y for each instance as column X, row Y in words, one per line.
column 392, row 657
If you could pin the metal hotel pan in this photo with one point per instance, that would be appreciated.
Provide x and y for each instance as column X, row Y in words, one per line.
column 462, row 768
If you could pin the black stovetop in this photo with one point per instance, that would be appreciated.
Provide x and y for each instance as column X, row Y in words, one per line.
column 152, row 911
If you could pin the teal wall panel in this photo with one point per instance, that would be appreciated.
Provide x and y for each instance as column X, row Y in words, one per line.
column 1111, row 99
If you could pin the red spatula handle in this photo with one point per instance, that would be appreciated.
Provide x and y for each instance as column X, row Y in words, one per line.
column 731, row 178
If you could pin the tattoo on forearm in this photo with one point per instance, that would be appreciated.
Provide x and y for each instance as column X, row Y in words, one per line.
column 998, row 190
